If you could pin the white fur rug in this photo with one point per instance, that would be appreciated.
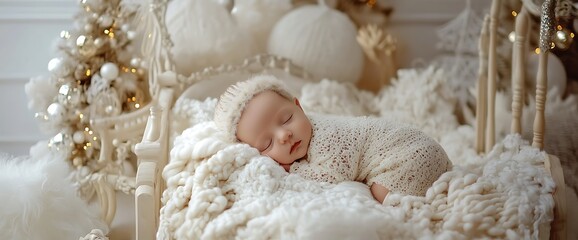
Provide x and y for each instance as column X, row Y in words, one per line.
column 38, row 200
column 217, row 190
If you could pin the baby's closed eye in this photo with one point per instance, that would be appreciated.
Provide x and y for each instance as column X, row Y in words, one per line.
column 267, row 145
column 288, row 119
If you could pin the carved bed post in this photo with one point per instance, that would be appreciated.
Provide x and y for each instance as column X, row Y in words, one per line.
column 552, row 163
column 546, row 29
column 152, row 151
column 481, row 108
column 492, row 75
column 519, row 52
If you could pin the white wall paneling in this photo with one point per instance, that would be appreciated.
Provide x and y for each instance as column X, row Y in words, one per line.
column 43, row 10
column 28, row 30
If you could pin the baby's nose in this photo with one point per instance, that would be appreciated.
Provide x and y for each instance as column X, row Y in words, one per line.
column 283, row 135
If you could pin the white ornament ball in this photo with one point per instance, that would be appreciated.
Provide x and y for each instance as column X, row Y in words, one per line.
column 109, row 110
column 563, row 38
column 85, row 44
column 88, row 27
column 78, row 137
column 105, row 21
column 54, row 64
column 69, row 96
column 77, row 161
column 61, row 142
column 130, row 35
column 135, row 62
column 58, row 67
column 556, row 72
column 125, row 27
column 320, row 39
column 56, row 112
column 84, row 171
column 109, row 71
column 98, row 42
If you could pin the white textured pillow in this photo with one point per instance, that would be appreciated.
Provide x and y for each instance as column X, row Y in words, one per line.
column 205, row 34
column 214, row 86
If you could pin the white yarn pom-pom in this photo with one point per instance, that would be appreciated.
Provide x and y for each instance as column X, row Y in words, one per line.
column 321, row 40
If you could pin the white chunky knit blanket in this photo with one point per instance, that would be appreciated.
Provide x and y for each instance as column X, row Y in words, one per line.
column 218, row 190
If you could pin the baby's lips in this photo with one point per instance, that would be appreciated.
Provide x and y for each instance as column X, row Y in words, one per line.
column 294, row 146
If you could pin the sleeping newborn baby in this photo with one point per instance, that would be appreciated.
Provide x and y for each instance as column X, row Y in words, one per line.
column 385, row 155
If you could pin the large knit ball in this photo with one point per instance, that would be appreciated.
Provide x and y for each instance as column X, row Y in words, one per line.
column 320, row 39
column 205, row 34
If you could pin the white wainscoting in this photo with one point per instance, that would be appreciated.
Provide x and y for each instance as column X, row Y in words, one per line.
column 29, row 28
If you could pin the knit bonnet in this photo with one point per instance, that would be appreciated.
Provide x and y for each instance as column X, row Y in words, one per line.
column 233, row 101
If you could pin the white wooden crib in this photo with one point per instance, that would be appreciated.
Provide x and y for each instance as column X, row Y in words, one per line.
column 167, row 86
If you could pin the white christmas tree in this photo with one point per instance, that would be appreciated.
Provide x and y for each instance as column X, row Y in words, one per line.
column 459, row 44
column 94, row 75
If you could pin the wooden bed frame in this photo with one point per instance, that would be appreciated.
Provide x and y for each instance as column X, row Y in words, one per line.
column 166, row 86
column 485, row 110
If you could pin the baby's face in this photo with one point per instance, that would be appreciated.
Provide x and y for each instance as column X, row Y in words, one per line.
column 276, row 126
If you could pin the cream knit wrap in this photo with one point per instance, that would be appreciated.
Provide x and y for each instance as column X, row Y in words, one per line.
column 233, row 101
column 372, row 150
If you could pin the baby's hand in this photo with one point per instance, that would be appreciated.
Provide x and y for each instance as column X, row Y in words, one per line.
column 379, row 192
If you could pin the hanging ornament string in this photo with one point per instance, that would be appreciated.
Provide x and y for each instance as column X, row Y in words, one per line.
column 546, row 25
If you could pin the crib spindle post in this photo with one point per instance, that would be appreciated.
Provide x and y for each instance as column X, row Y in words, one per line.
column 145, row 201
column 481, row 108
column 539, row 122
column 492, row 75
column 519, row 52
column 546, row 29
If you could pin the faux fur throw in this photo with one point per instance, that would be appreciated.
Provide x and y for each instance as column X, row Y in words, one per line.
column 218, row 190
column 39, row 201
